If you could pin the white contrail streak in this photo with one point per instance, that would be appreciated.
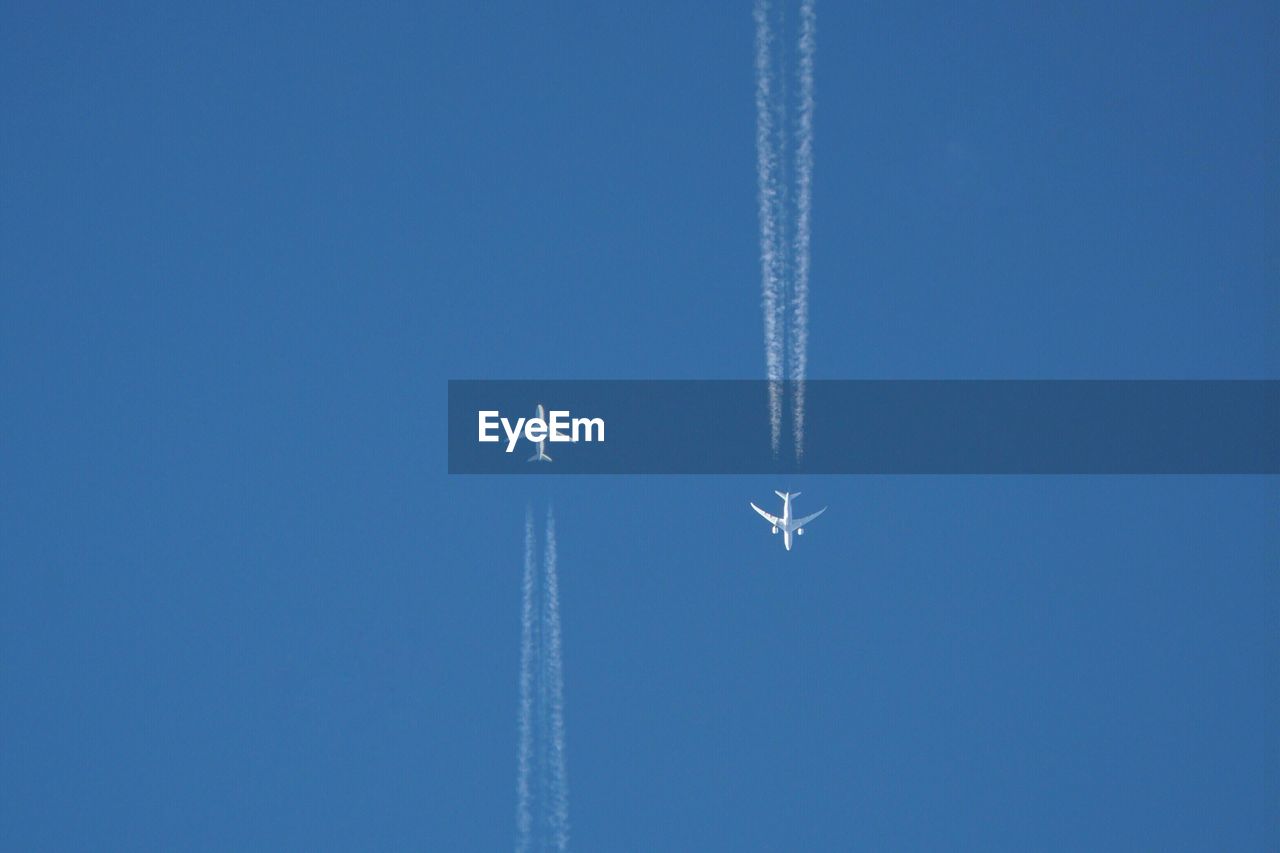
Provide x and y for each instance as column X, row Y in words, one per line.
column 558, row 793
column 542, row 783
column 768, row 201
column 524, row 750
column 784, row 262
column 799, row 333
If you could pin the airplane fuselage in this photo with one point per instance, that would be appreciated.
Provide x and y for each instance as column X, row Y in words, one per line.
column 540, row 454
column 786, row 522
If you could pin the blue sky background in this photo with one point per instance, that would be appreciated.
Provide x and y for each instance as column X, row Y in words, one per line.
column 243, row 249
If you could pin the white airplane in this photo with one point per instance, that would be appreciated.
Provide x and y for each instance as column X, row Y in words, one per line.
column 541, row 454
column 787, row 524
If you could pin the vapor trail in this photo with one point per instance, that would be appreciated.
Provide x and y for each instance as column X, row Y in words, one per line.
column 524, row 749
column 558, row 792
column 799, row 333
column 768, row 197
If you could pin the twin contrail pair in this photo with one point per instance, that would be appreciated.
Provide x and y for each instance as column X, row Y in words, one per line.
column 542, row 792
column 784, row 256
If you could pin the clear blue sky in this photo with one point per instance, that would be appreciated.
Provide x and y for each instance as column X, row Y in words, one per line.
column 242, row 250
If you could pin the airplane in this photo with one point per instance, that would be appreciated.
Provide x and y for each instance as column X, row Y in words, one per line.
column 541, row 454
column 787, row 524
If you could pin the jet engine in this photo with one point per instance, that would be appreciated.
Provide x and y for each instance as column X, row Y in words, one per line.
column 775, row 530
column 799, row 531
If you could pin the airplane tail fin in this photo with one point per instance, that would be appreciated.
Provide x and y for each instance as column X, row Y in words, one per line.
column 539, row 457
column 785, row 495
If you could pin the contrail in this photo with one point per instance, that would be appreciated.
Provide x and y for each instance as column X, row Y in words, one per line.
column 524, row 751
column 558, row 793
column 784, row 263
column 767, row 195
column 799, row 334
column 542, row 783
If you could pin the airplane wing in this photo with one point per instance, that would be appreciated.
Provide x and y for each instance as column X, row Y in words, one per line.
column 801, row 522
column 772, row 519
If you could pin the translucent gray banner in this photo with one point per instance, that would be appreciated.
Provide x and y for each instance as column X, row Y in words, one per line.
column 868, row 427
